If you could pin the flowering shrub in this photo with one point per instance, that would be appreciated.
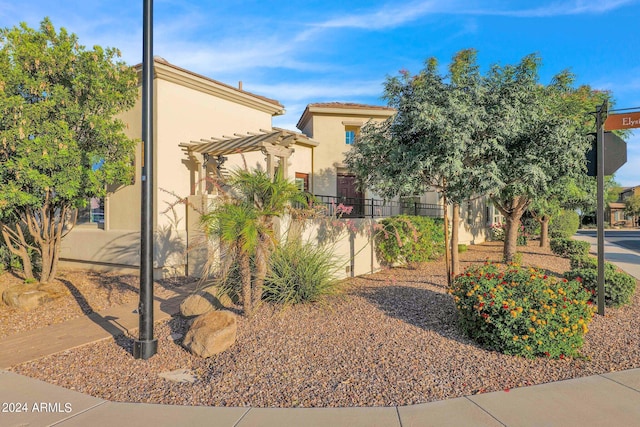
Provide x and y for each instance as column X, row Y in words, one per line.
column 409, row 239
column 521, row 311
column 498, row 232
column 618, row 285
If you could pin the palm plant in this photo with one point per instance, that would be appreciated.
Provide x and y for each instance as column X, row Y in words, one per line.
column 243, row 221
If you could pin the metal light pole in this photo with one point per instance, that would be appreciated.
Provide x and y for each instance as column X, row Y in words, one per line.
column 146, row 346
column 601, row 115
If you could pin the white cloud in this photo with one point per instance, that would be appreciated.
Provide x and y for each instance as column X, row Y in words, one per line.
column 578, row 7
column 387, row 16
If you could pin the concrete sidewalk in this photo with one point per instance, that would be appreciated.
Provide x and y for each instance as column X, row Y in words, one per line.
column 602, row 400
column 625, row 259
column 37, row 343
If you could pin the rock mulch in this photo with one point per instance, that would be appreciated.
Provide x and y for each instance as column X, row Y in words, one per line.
column 391, row 339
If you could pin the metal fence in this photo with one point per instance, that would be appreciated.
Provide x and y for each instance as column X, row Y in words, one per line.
column 348, row 207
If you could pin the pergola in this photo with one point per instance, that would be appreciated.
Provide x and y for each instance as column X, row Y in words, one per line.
column 276, row 144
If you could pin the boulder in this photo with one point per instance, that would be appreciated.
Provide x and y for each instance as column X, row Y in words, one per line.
column 211, row 333
column 29, row 296
column 204, row 301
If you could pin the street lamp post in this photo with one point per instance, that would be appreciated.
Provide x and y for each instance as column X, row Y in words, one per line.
column 146, row 346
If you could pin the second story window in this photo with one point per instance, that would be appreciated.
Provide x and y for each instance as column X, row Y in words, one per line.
column 349, row 137
column 350, row 133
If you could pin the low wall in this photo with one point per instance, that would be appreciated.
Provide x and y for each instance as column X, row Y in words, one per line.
column 119, row 250
column 350, row 239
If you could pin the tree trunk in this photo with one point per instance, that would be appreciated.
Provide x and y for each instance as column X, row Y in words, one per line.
column 446, row 239
column 18, row 245
column 511, row 235
column 262, row 257
column 245, row 276
column 544, row 231
column 512, row 210
column 455, row 227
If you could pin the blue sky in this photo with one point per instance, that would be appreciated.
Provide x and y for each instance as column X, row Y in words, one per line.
column 301, row 52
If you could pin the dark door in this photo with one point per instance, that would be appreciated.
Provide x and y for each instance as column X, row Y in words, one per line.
column 348, row 194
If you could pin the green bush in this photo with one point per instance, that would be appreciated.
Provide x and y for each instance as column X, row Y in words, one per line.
column 564, row 225
column 409, row 240
column 300, row 272
column 10, row 261
column 568, row 247
column 583, row 261
column 521, row 311
column 618, row 285
column 5, row 257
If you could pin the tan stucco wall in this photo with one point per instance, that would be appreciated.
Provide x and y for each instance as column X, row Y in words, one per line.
column 186, row 108
column 353, row 251
column 184, row 115
column 329, row 131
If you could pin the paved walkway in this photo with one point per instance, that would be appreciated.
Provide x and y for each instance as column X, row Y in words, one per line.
column 602, row 400
column 626, row 259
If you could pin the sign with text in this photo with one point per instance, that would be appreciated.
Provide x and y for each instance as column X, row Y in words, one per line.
column 622, row 121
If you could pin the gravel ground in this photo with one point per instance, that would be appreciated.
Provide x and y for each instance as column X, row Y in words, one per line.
column 82, row 292
column 392, row 339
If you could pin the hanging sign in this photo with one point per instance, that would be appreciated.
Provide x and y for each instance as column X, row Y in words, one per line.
column 622, row 121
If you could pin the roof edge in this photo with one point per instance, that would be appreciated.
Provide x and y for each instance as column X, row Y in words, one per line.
column 170, row 72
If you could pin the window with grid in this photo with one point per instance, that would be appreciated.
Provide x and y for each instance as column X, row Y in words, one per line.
column 350, row 134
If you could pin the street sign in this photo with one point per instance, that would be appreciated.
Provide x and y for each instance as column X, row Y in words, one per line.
column 615, row 154
column 622, row 121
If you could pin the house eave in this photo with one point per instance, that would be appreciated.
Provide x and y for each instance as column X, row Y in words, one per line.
column 173, row 74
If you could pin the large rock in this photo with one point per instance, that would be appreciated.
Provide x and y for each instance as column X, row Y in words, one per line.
column 25, row 297
column 204, row 301
column 211, row 333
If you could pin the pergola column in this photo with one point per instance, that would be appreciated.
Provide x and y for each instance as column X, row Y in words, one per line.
column 282, row 154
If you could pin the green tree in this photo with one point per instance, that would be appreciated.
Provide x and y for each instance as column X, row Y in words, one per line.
column 575, row 106
column 632, row 206
column 532, row 146
column 581, row 194
column 426, row 144
column 243, row 221
column 61, row 144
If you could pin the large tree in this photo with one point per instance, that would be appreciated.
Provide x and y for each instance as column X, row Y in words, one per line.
column 533, row 146
column 61, row 143
column 426, row 144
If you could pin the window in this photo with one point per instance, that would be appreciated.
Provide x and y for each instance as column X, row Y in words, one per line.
column 93, row 213
column 350, row 133
column 302, row 181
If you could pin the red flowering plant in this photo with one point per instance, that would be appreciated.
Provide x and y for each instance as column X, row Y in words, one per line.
column 521, row 311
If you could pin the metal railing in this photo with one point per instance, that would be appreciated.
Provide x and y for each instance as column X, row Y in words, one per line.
column 351, row 207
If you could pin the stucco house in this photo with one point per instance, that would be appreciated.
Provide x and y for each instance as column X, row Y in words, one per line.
column 615, row 211
column 336, row 125
column 204, row 128
column 198, row 124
